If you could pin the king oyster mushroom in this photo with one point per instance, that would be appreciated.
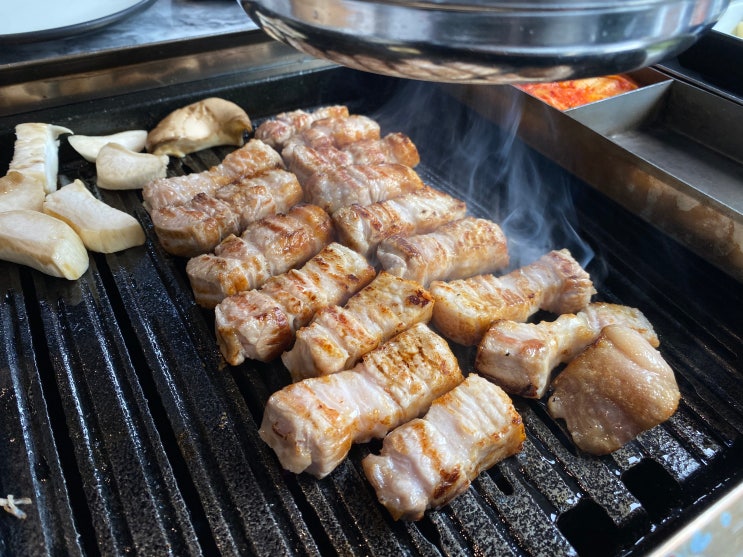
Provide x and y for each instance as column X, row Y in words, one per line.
column 90, row 145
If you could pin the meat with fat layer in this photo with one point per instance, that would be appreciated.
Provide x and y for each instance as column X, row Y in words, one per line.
column 520, row 357
column 465, row 308
column 266, row 248
column 312, row 424
column 339, row 335
column 427, row 462
column 614, row 390
column 278, row 130
column 260, row 324
column 456, row 250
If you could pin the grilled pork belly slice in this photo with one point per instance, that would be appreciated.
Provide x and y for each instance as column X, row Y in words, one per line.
column 312, row 424
column 333, row 132
column 338, row 336
column 363, row 226
column 278, row 130
column 260, row 324
column 363, row 184
column 268, row 247
column 249, row 160
column 196, row 227
column 465, row 308
column 456, row 250
column 427, row 462
column 614, row 390
column 520, row 357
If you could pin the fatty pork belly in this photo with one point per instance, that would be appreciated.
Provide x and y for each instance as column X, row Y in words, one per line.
column 456, row 250
column 363, row 226
column 614, row 390
column 312, row 424
column 520, row 357
column 197, row 226
column 267, row 247
column 339, row 335
column 278, row 130
column 465, row 308
column 260, row 324
column 249, row 160
column 427, row 462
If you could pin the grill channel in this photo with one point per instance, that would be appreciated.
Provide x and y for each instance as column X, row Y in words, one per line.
column 122, row 424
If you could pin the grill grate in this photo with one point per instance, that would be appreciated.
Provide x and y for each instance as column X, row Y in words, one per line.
column 122, row 425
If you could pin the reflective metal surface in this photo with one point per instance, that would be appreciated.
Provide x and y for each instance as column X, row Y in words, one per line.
column 483, row 41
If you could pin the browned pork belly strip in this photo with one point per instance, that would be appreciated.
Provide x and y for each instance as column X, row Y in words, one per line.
column 252, row 158
column 278, row 130
column 363, row 226
column 363, row 184
column 465, row 308
column 312, row 424
column 520, row 357
column 339, row 335
column 614, row 390
column 338, row 132
column 268, row 247
column 260, row 324
column 197, row 226
column 456, row 250
column 427, row 462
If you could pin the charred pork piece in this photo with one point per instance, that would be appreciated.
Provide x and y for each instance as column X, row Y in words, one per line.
column 266, row 248
column 338, row 336
column 197, row 226
column 260, row 324
column 334, row 132
column 465, row 308
column 362, row 226
column 614, row 390
column 252, row 158
column 520, row 357
column 278, row 130
column 363, row 184
column 312, row 424
column 428, row 461
column 456, row 250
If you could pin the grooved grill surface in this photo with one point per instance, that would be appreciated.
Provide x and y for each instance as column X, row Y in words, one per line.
column 121, row 423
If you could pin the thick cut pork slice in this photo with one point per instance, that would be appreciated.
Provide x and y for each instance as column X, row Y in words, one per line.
column 260, row 324
column 427, row 462
column 268, row 247
column 456, row 250
column 312, row 424
column 520, row 357
column 362, row 227
column 614, row 390
column 465, row 308
column 278, row 130
column 339, row 335
column 363, row 184
column 196, row 227
column 252, row 158
column 334, row 132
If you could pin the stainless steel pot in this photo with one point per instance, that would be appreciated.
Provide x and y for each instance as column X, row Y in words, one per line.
column 486, row 41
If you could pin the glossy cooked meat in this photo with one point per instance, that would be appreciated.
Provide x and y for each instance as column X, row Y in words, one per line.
column 312, row 424
column 362, row 227
column 268, row 247
column 252, row 158
column 614, row 390
column 465, row 308
column 520, row 357
column 278, row 130
column 338, row 132
column 456, row 250
column 427, row 462
column 339, row 335
column 197, row 226
column 260, row 324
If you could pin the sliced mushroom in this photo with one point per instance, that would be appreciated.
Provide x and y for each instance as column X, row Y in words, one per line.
column 89, row 145
column 206, row 123
column 119, row 168
column 36, row 153
column 18, row 191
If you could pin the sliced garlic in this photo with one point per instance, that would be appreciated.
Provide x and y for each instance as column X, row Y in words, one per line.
column 89, row 145
column 36, row 153
column 203, row 124
column 42, row 242
column 119, row 168
column 101, row 227
column 18, row 191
